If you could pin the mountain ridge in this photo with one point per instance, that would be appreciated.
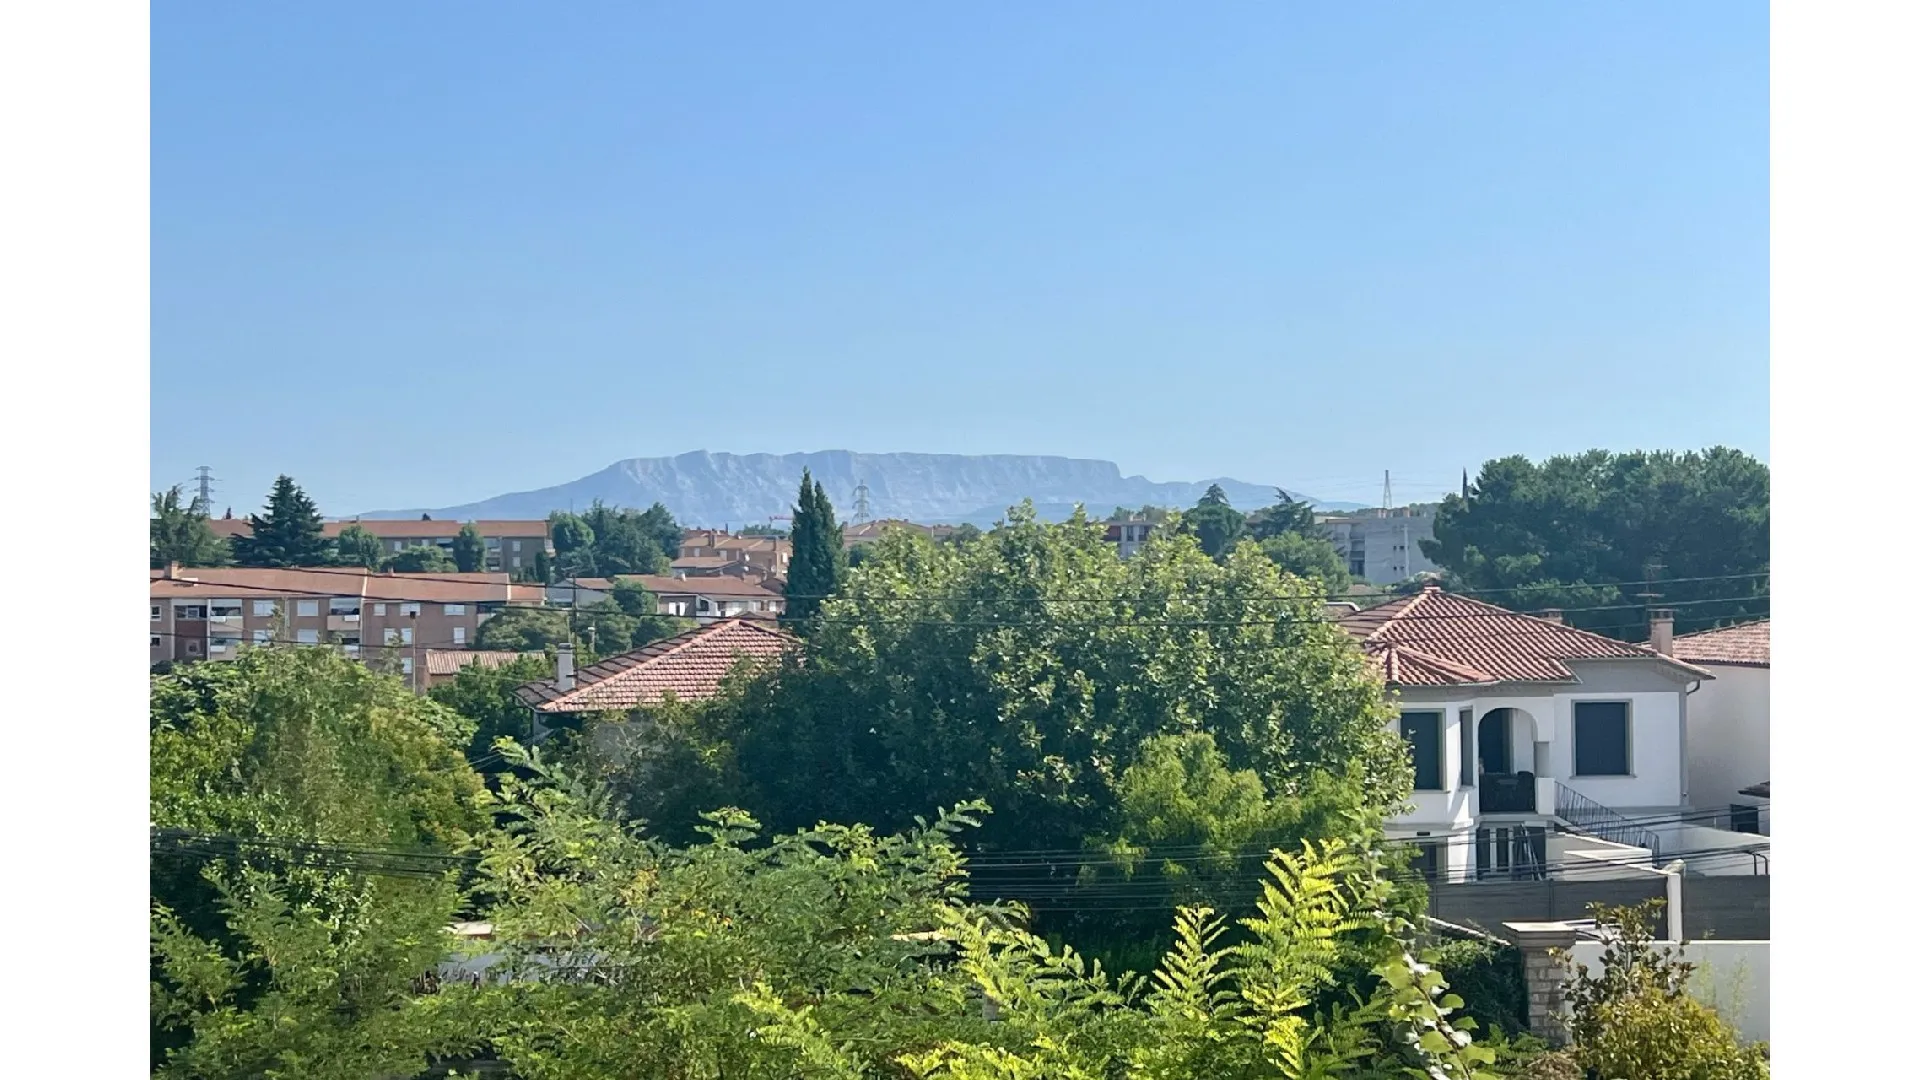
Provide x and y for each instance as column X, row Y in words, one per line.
column 714, row 488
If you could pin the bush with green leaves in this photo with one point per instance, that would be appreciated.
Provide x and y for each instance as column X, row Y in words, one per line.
column 1635, row 1018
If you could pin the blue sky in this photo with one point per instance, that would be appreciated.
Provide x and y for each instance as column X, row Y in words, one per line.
column 423, row 253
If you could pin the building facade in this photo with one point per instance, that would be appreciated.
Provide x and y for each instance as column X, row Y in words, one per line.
column 388, row 620
column 1382, row 547
column 707, row 599
column 1728, row 748
column 1520, row 727
column 511, row 545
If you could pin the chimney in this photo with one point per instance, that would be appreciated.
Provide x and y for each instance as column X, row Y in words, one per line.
column 1555, row 616
column 563, row 666
column 173, row 571
column 1660, row 630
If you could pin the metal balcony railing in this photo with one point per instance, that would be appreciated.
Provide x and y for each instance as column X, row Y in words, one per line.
column 1600, row 821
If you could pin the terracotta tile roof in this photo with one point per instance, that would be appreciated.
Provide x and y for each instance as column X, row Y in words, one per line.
column 703, row 562
column 690, row 666
column 1745, row 645
column 1435, row 638
column 450, row 661
column 701, row 586
column 399, row 529
column 249, row 582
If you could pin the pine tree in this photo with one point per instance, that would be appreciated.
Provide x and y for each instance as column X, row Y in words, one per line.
column 818, row 561
column 288, row 535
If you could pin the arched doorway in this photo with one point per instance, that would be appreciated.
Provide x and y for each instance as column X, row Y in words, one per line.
column 1504, row 746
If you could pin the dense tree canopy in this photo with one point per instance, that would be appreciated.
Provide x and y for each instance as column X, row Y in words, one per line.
column 421, row 559
column 179, row 534
column 1029, row 666
column 1564, row 532
column 485, row 697
column 1214, row 523
column 607, row 541
column 288, row 534
column 355, row 546
column 272, row 953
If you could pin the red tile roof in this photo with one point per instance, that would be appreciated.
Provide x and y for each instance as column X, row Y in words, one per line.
column 244, row 582
column 398, row 529
column 690, row 666
column 450, row 661
column 1435, row 638
column 1745, row 645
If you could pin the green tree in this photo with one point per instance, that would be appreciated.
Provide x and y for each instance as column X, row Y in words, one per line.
column 1564, row 532
column 421, row 559
column 1038, row 705
column 289, row 534
column 355, row 546
column 1309, row 556
column 177, row 534
column 572, row 545
column 275, row 949
column 469, row 550
column 485, row 697
column 843, row 952
column 624, row 542
column 819, row 559
column 1215, row 523
column 1286, row 515
column 525, row 629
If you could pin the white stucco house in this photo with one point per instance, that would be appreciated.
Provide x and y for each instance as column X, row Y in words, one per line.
column 1521, row 727
column 1727, row 724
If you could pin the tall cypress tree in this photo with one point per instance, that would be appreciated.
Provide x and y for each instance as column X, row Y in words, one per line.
column 289, row 534
column 818, row 563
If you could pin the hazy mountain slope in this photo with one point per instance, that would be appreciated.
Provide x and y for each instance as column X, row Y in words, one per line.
column 704, row 488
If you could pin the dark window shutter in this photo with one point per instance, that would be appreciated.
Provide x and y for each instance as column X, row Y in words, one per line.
column 1422, row 732
column 1601, row 745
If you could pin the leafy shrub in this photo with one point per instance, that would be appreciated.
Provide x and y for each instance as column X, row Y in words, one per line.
column 1635, row 1018
column 1491, row 978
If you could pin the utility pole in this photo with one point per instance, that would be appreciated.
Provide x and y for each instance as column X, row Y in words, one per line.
column 413, row 624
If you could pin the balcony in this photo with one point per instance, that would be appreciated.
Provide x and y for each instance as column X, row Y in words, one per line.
column 343, row 623
column 1512, row 793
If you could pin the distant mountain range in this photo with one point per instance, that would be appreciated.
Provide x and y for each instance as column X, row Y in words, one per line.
column 718, row 489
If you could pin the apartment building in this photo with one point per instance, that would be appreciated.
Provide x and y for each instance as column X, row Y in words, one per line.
column 704, row 598
column 511, row 545
column 1382, row 547
column 713, row 553
column 393, row 619
column 1129, row 536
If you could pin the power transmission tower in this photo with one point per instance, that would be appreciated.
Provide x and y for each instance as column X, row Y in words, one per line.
column 1386, row 492
column 203, row 501
column 862, row 511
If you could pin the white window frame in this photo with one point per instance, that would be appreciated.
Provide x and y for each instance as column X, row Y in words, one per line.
column 1573, row 747
column 390, row 636
column 156, row 611
column 379, row 609
column 516, row 545
column 453, row 609
column 409, row 609
column 263, row 637
column 459, row 635
column 153, row 641
column 264, row 608
column 306, row 609
column 406, row 665
column 307, row 637
column 406, row 635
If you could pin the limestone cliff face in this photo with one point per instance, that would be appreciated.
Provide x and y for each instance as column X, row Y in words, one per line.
column 715, row 489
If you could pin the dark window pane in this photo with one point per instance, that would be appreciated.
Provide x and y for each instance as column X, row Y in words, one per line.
column 1422, row 732
column 1466, row 748
column 1600, row 739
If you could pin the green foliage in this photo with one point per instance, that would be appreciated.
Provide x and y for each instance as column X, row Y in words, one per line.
column 819, row 561
column 572, row 545
column 179, row 533
column 484, row 696
column 355, row 546
column 526, row 629
column 289, row 534
column 1214, row 523
column 1309, row 555
column 268, row 960
column 608, row 541
column 1038, row 707
column 1286, row 515
column 626, row 620
column 1635, row 1017
column 963, row 533
column 1491, row 978
column 469, row 549
column 1560, row 531
column 421, row 559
